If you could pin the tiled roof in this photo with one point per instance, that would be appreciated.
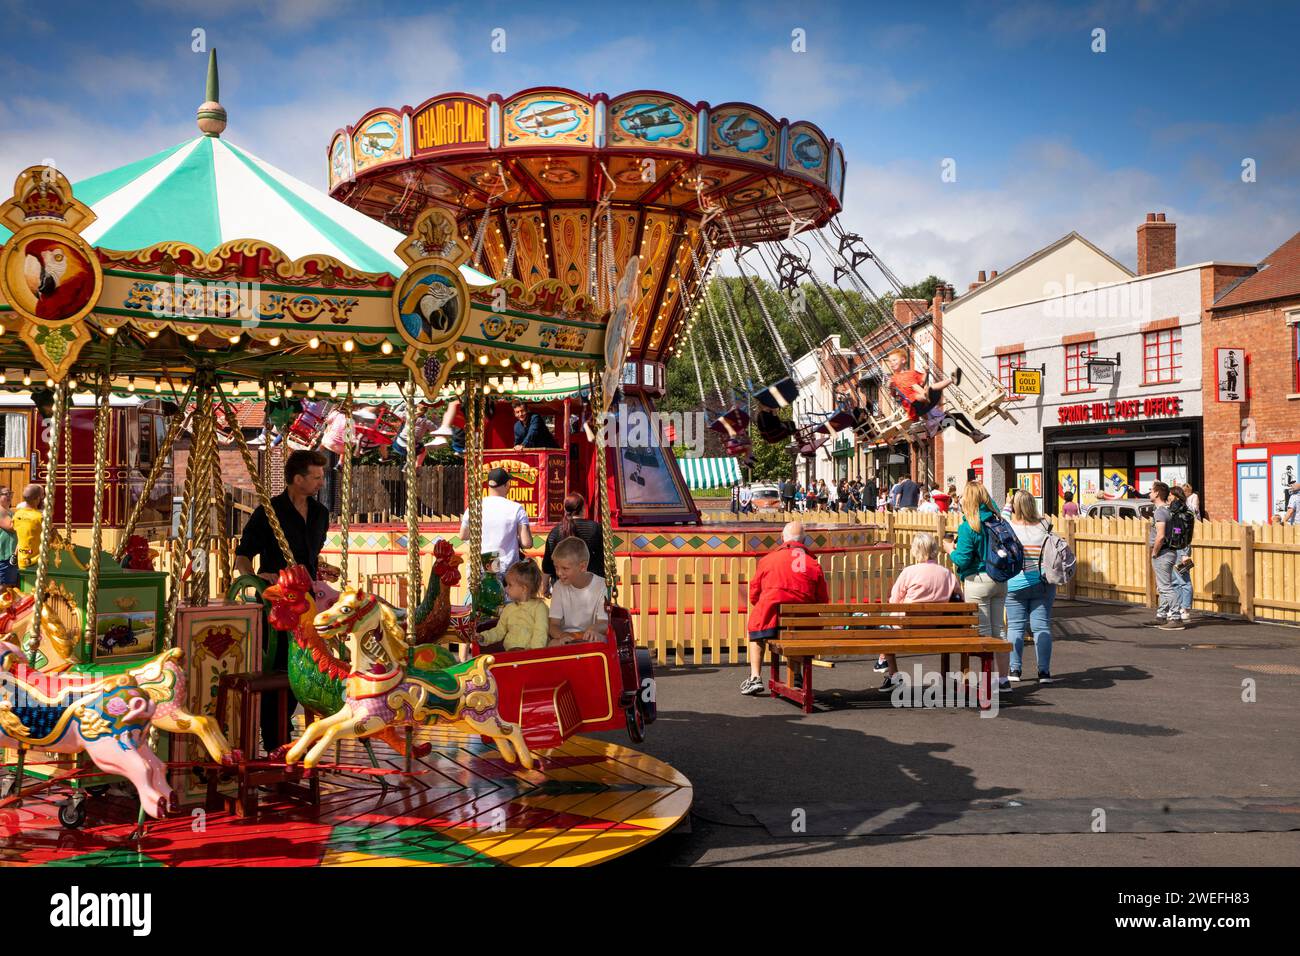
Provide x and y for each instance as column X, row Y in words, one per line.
column 1278, row 278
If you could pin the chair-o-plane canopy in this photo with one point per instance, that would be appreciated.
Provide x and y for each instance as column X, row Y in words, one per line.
column 205, row 256
column 528, row 175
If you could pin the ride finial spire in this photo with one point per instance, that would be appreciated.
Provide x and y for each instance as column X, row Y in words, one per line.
column 211, row 116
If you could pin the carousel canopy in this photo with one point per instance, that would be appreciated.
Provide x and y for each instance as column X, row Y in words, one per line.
column 709, row 472
column 208, row 191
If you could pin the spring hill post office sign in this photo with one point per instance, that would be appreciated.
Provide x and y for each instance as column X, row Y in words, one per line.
column 1133, row 409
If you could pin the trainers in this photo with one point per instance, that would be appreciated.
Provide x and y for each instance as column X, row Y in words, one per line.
column 1004, row 684
column 881, row 666
column 752, row 687
column 956, row 376
column 1045, row 678
column 978, row 437
column 890, row 683
column 1158, row 622
column 1173, row 624
column 1014, row 676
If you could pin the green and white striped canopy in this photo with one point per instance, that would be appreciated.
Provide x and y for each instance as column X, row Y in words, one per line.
column 701, row 473
column 207, row 191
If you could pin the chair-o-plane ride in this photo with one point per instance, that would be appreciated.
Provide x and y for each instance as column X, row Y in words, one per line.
column 206, row 268
column 558, row 191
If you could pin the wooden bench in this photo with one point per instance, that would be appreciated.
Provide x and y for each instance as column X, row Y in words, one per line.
column 831, row 630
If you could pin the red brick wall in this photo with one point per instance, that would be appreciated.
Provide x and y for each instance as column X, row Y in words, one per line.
column 1262, row 331
column 1156, row 245
column 233, row 472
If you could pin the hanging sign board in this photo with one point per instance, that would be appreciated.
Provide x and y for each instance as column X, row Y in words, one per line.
column 1231, row 377
column 1027, row 381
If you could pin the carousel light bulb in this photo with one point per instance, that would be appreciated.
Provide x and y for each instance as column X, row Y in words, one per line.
column 130, row 384
column 311, row 392
column 49, row 383
column 482, row 360
column 234, row 340
column 386, row 348
column 313, row 342
column 460, row 356
column 72, row 383
column 505, row 362
column 274, row 341
column 526, row 364
column 153, row 334
column 157, row 386
column 3, row 378
column 108, row 329
column 349, row 345
column 193, row 336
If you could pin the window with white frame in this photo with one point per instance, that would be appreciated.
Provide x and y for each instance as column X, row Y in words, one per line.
column 1076, row 365
column 13, row 435
column 1162, row 356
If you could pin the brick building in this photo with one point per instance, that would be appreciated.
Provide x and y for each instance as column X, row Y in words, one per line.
column 1251, row 371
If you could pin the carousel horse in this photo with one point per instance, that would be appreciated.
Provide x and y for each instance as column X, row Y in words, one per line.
column 107, row 718
column 162, row 677
column 316, row 675
column 379, row 693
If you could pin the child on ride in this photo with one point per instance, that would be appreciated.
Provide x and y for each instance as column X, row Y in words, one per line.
column 578, row 597
column 926, row 402
column 523, row 623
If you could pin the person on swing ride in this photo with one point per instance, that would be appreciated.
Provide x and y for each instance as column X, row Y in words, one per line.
column 925, row 401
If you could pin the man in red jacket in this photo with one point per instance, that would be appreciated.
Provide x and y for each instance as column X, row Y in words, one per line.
column 789, row 575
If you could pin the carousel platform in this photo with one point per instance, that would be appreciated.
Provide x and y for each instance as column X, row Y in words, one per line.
column 460, row 806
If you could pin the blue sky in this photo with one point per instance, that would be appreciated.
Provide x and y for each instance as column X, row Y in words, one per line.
column 1047, row 135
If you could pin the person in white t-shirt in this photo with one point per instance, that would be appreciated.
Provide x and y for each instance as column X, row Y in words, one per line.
column 505, row 522
column 578, row 597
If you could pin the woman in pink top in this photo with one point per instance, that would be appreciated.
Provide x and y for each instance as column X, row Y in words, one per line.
column 924, row 582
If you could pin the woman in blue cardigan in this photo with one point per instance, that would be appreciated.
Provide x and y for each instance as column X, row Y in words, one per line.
column 967, row 556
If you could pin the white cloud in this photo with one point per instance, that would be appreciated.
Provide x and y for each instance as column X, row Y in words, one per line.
column 808, row 85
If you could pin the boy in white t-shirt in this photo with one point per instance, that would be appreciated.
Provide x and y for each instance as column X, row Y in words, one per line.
column 578, row 597
column 505, row 522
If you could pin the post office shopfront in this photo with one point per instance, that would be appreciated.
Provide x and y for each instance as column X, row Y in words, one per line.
column 1112, row 448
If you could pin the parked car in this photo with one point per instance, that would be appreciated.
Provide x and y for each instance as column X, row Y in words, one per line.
column 1121, row 508
column 767, row 496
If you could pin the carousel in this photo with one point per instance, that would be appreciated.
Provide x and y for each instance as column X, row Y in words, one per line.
column 132, row 679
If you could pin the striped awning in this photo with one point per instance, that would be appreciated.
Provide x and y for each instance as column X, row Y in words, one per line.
column 703, row 473
column 207, row 191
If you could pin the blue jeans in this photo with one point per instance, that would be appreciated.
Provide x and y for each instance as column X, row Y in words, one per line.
column 1183, row 582
column 1031, row 605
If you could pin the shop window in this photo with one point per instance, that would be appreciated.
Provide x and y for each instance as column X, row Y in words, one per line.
column 1007, row 364
column 1076, row 366
column 1162, row 356
column 1115, row 459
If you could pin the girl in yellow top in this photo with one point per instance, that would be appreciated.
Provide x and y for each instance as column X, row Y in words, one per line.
column 524, row 622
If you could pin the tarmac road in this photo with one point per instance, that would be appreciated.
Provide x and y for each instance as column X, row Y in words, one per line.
column 1147, row 725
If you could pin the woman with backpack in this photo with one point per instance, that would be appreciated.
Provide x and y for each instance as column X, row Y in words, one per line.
column 969, row 556
column 1029, row 596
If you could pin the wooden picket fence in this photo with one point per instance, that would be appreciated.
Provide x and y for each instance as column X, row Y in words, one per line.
column 692, row 610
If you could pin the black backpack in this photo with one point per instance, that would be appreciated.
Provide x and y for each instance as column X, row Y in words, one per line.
column 1180, row 527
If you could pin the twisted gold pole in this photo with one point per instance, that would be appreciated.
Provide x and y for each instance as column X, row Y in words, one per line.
column 67, row 471
column 474, row 496
column 201, row 512
column 164, row 450
column 345, row 504
column 412, row 516
column 47, row 522
column 602, row 492
column 258, row 484
column 180, row 546
column 222, row 533
column 97, row 521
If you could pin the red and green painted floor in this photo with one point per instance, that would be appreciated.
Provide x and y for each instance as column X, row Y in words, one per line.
column 463, row 807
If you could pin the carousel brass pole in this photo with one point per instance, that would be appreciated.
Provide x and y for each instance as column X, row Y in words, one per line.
column 345, row 496
column 412, row 514
column 180, row 547
column 164, row 450
column 474, row 480
column 602, row 492
column 222, row 531
column 201, row 513
column 47, row 521
column 97, row 521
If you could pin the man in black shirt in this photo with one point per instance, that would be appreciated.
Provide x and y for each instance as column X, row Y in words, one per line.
column 305, row 522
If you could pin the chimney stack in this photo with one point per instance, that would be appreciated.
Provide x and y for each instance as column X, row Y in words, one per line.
column 1156, row 245
column 993, row 275
column 906, row 310
column 981, row 278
